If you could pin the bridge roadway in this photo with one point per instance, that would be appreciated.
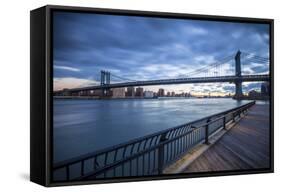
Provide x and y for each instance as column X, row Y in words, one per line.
column 230, row 79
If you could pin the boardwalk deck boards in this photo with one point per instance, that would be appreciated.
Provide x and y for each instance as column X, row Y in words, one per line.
column 245, row 146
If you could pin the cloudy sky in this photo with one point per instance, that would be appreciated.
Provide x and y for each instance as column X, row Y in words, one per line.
column 141, row 48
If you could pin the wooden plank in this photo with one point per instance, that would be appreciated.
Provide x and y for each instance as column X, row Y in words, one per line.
column 245, row 146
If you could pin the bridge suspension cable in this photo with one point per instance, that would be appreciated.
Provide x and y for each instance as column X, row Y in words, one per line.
column 215, row 68
column 122, row 78
column 211, row 66
column 254, row 58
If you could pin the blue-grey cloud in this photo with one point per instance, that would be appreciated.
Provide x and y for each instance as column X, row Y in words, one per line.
column 148, row 48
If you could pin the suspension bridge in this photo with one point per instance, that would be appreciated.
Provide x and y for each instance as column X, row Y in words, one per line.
column 236, row 68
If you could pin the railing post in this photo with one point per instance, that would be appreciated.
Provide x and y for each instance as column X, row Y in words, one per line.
column 67, row 173
column 233, row 116
column 239, row 113
column 161, row 154
column 224, row 125
column 82, row 168
column 207, row 132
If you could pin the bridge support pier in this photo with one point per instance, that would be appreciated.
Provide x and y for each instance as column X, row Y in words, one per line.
column 238, row 89
column 105, row 80
column 238, row 83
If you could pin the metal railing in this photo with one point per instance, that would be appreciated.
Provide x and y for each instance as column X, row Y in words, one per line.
column 148, row 155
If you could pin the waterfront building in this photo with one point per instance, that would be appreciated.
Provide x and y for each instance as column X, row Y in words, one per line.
column 118, row 93
column 148, row 94
column 253, row 93
column 161, row 92
column 97, row 93
column 82, row 93
column 155, row 94
column 66, row 92
column 173, row 94
column 139, row 92
column 130, row 92
column 168, row 94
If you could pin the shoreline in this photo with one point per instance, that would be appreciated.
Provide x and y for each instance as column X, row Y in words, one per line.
column 149, row 98
column 130, row 98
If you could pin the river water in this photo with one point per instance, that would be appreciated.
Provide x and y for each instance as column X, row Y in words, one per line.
column 83, row 126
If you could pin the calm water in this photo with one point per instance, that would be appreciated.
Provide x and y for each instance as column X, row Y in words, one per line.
column 82, row 126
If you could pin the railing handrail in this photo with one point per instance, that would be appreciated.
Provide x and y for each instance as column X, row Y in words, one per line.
column 115, row 147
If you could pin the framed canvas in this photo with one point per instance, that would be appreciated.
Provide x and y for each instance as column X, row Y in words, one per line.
column 125, row 95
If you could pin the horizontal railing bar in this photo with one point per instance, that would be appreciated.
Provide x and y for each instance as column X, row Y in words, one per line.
column 121, row 145
column 212, row 121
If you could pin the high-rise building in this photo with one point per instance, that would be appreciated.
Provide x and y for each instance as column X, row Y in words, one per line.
column 161, row 92
column 130, row 92
column 148, row 94
column 118, row 92
column 173, row 94
column 139, row 92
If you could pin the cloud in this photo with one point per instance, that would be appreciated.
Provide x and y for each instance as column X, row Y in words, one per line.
column 70, row 82
column 143, row 48
column 248, row 86
column 195, row 30
column 67, row 68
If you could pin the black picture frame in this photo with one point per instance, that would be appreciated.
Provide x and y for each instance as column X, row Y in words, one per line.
column 41, row 92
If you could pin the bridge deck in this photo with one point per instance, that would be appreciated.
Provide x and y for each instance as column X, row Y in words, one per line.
column 231, row 79
column 245, row 146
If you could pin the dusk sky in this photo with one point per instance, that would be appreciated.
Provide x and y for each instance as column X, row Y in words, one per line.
column 142, row 48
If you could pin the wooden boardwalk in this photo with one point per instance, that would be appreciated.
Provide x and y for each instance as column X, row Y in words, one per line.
column 245, row 146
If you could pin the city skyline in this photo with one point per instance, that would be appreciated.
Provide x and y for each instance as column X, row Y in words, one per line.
column 150, row 48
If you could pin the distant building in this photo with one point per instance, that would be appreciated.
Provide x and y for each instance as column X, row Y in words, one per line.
column 265, row 88
column 161, row 93
column 118, row 92
column 139, row 92
column 155, row 94
column 187, row 95
column 96, row 92
column 148, row 94
column 82, row 93
column 169, row 94
column 130, row 92
column 66, row 92
column 108, row 93
column 253, row 93
column 173, row 94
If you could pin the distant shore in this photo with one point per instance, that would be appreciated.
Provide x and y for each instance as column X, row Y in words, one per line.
column 149, row 98
column 100, row 98
column 126, row 98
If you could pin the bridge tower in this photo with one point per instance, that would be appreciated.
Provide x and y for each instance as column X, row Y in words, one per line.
column 238, row 83
column 105, row 80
